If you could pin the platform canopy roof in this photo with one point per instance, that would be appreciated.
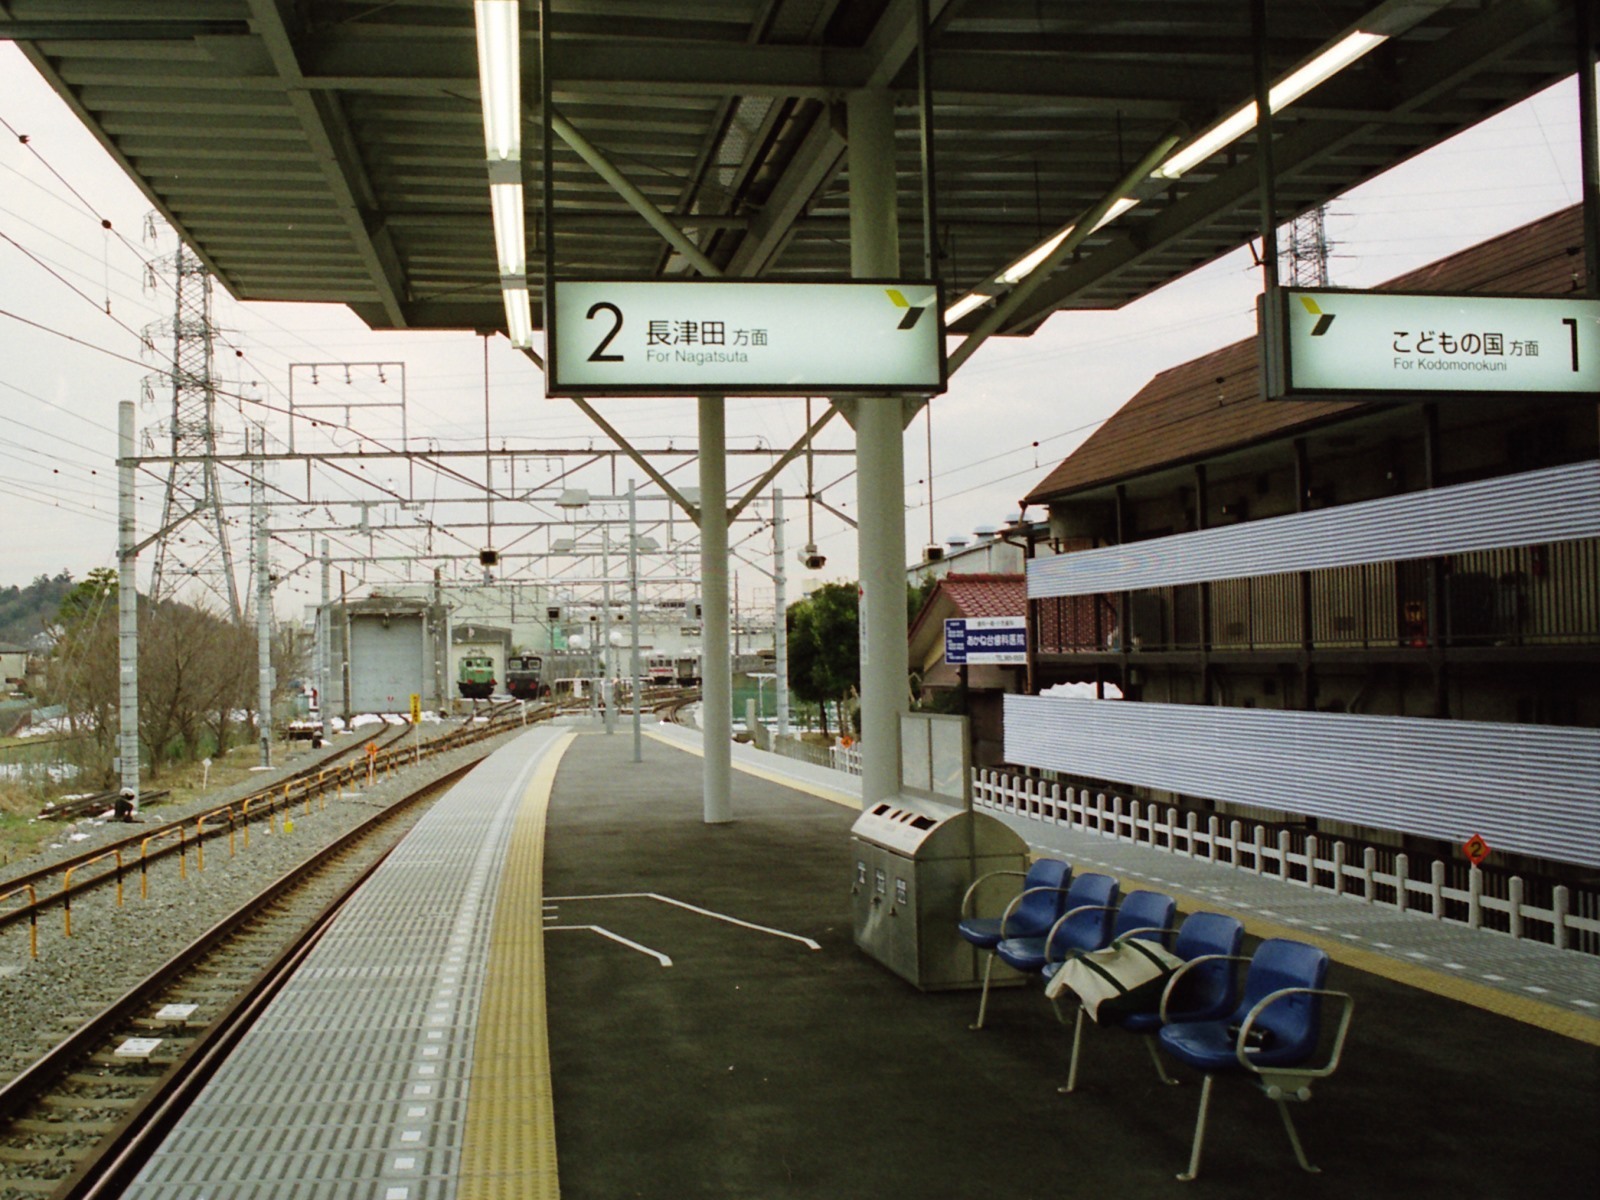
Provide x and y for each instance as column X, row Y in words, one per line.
column 333, row 150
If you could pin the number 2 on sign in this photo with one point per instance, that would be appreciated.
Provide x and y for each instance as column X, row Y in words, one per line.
column 600, row 354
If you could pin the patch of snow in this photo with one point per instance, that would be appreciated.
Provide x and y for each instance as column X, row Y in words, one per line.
column 1080, row 691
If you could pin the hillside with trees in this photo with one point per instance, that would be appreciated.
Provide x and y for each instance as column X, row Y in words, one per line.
column 25, row 612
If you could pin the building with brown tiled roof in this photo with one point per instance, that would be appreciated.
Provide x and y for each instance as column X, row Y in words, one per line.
column 1349, row 567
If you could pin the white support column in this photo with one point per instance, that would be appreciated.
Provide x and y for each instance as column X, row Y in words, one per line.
column 716, row 668
column 127, row 609
column 780, row 601
column 258, row 509
column 880, row 460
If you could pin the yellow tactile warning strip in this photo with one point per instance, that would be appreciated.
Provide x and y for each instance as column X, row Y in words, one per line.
column 509, row 1148
column 1517, row 1008
column 846, row 799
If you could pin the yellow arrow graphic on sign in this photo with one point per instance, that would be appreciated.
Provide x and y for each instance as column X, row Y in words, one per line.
column 1323, row 319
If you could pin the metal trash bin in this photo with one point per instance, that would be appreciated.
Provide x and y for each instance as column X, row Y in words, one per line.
column 913, row 861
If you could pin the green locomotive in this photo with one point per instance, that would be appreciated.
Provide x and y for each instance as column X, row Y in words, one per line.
column 475, row 676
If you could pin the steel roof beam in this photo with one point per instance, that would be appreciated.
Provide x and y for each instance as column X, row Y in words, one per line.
column 89, row 29
column 1434, row 70
column 821, row 154
column 336, row 147
column 635, row 198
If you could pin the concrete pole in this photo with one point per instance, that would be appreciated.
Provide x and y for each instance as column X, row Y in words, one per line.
column 324, row 644
column 880, row 460
column 633, row 618
column 258, row 509
column 607, row 674
column 127, row 610
column 780, row 601
column 716, row 670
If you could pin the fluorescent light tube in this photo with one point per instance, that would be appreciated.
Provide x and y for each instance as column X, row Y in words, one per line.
column 1324, row 66
column 1232, row 128
column 500, row 77
column 519, row 316
column 963, row 306
column 1282, row 94
column 1023, row 267
column 510, row 240
column 1115, row 211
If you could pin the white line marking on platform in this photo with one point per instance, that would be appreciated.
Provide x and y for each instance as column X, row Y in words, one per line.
column 704, row 912
column 615, row 937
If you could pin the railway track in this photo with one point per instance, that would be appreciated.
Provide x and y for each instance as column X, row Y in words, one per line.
column 80, row 1120
column 29, row 895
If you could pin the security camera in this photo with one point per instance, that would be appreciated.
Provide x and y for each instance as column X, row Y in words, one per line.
column 811, row 558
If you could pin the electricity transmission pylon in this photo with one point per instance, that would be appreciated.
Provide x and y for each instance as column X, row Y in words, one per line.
column 1308, row 249
column 192, row 538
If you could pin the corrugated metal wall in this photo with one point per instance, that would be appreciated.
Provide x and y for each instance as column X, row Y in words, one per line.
column 1545, row 594
column 1527, row 789
column 1557, row 505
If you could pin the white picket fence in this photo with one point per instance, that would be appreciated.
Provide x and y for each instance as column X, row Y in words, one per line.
column 845, row 758
column 1377, row 878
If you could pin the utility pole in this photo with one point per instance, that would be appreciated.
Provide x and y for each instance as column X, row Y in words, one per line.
column 192, row 503
column 780, row 620
column 263, row 573
column 127, row 611
column 324, row 646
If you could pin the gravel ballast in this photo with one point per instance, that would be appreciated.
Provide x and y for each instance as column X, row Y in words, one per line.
column 111, row 947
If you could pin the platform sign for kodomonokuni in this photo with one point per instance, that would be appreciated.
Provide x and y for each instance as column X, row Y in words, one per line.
column 699, row 337
column 1392, row 345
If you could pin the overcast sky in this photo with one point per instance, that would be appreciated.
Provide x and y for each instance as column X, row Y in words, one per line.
column 74, row 300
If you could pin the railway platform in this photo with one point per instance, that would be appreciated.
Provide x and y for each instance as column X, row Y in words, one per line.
column 565, row 983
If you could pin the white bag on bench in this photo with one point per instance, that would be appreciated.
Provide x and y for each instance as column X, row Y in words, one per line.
column 1124, row 977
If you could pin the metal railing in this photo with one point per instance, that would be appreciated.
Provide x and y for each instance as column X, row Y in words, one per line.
column 1444, row 891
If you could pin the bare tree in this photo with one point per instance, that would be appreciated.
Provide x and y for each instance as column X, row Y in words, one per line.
column 230, row 683
column 197, row 675
column 81, row 674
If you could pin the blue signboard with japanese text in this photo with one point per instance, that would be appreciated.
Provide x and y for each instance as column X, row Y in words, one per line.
column 1001, row 641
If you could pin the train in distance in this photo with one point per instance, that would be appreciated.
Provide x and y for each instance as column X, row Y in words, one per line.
column 534, row 676
column 475, row 676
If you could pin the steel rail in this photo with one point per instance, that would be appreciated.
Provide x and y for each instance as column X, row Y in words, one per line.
column 111, row 1163
column 273, row 797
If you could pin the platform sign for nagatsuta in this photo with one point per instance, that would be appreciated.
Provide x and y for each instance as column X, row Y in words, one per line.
column 977, row 641
column 1323, row 343
column 697, row 337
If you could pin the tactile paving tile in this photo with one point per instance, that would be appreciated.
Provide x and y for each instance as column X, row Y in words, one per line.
column 354, row 1082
